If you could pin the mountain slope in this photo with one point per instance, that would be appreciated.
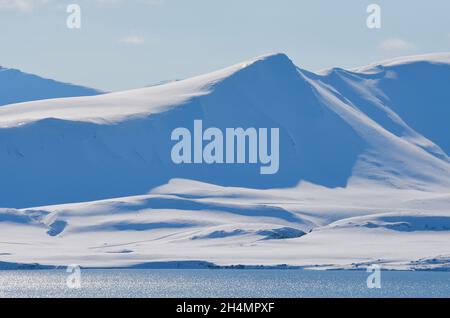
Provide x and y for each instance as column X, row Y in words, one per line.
column 18, row 87
column 113, row 145
column 407, row 96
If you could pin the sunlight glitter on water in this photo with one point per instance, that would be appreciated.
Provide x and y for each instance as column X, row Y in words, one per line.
column 222, row 283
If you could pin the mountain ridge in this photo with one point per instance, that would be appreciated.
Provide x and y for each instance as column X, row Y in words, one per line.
column 17, row 86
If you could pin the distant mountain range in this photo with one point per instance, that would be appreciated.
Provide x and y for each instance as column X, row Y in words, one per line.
column 364, row 161
column 18, row 87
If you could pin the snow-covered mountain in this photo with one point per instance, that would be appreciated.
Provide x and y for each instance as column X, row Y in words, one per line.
column 364, row 155
column 335, row 128
column 18, row 87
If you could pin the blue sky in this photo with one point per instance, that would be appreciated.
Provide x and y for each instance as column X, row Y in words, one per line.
column 125, row 44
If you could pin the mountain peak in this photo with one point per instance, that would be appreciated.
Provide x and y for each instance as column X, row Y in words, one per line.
column 274, row 56
column 273, row 59
column 433, row 58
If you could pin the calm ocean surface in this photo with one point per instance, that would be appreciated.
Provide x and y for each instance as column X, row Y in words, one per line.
column 222, row 283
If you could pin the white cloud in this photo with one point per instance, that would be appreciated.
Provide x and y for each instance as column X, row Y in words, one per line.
column 395, row 44
column 21, row 5
column 132, row 39
column 29, row 5
column 150, row 2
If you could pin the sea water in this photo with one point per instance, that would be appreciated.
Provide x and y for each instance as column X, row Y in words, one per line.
column 222, row 283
